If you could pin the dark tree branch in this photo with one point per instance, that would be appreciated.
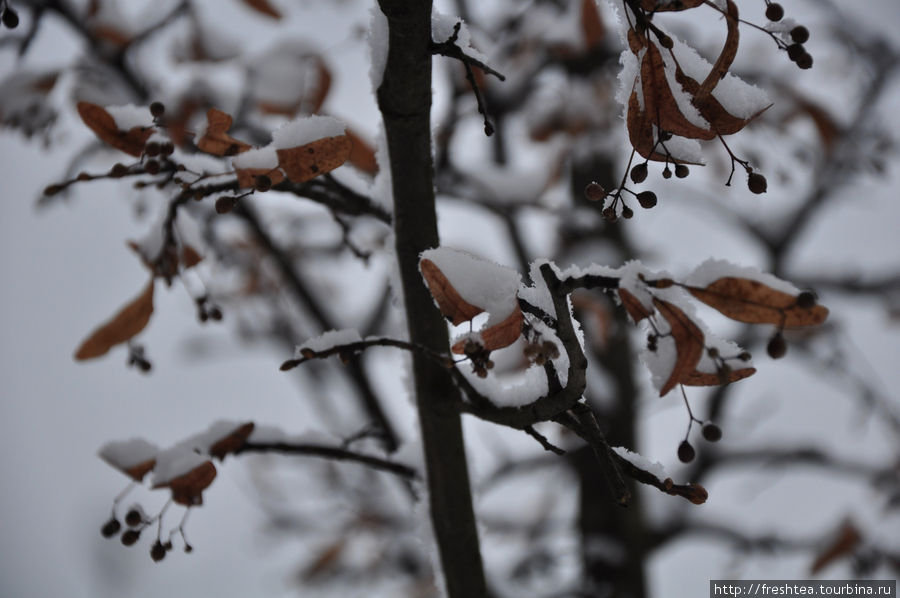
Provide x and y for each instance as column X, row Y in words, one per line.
column 331, row 452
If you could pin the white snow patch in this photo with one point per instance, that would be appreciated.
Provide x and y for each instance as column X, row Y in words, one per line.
column 442, row 28
column 261, row 157
column 378, row 47
column 641, row 462
column 482, row 283
column 123, row 454
column 330, row 339
column 306, row 129
column 174, row 462
column 129, row 116
column 713, row 269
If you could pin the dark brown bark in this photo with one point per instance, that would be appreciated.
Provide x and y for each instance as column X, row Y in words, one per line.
column 404, row 99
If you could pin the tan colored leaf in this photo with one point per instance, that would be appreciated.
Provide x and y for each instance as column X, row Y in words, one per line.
column 362, row 156
column 130, row 320
column 640, row 133
column 753, row 302
column 633, row 306
column 138, row 471
column 246, row 177
column 689, row 343
column 232, row 442
column 104, row 126
column 659, row 101
column 726, row 56
column 845, row 541
column 452, row 305
column 263, row 7
column 189, row 257
column 499, row 335
column 187, row 489
column 306, row 162
column 216, row 140
column 696, row 378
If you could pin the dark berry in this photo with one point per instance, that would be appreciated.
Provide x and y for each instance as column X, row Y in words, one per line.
column 712, row 352
column 594, row 192
column 215, row 313
column 158, row 551
column 10, row 18
column 806, row 299
column 157, row 109
column 111, row 528
column 263, row 183
column 188, row 548
column 686, row 452
column 681, row 171
column 609, row 214
column 133, row 518
column 745, row 356
column 777, row 347
column 152, row 149
column 795, row 51
column 712, row 432
column 774, row 12
column 647, row 199
column 639, row 172
column 800, row 34
column 666, row 42
column 118, row 170
column 52, row 189
column 225, row 204
column 151, row 167
column 130, row 537
column 667, row 173
column 627, row 212
column 664, row 135
column 167, row 148
column 805, row 61
column 757, row 183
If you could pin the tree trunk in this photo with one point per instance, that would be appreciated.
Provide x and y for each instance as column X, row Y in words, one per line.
column 404, row 99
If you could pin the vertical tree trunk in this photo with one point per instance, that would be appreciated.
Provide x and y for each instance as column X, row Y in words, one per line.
column 404, row 99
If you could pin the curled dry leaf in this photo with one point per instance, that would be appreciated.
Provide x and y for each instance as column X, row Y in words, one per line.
column 246, row 177
column 104, row 126
column 689, row 343
column 187, row 489
column 216, row 140
column 362, row 156
column 232, row 441
column 263, row 6
column 130, row 320
column 452, row 305
column 753, row 302
column 591, row 24
column 633, row 306
column 845, row 541
column 308, row 161
column 696, row 378
column 499, row 335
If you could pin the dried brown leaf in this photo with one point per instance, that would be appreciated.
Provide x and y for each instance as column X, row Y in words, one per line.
column 696, row 378
column 104, row 126
column 362, row 156
column 452, row 305
column 246, row 177
column 689, row 343
column 130, row 320
column 633, row 306
column 845, row 541
column 659, row 101
column 499, row 335
column 753, row 302
column 187, row 489
column 189, row 257
column 306, row 162
column 232, row 441
column 216, row 140
column 591, row 24
column 263, row 6
column 138, row 471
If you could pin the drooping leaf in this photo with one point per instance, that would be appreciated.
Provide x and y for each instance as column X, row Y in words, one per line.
column 308, row 161
column 128, row 322
column 216, row 140
column 753, row 302
column 232, row 441
column 845, row 541
column 264, row 7
column 633, row 306
column 449, row 301
column 362, row 156
column 498, row 336
column 104, row 126
column 659, row 99
column 696, row 378
column 187, row 489
column 689, row 343
column 591, row 24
